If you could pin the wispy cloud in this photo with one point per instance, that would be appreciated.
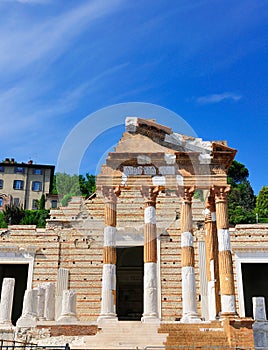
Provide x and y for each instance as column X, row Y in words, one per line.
column 22, row 45
column 216, row 98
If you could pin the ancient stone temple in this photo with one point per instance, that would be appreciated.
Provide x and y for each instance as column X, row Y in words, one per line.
column 149, row 259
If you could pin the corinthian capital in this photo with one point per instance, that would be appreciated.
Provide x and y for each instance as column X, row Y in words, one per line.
column 221, row 193
column 110, row 193
column 149, row 194
column 185, row 193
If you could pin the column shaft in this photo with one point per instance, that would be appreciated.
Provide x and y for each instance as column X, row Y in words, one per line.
column 150, row 255
column 212, row 264
column 225, row 255
column 6, row 303
column 189, row 305
column 108, row 301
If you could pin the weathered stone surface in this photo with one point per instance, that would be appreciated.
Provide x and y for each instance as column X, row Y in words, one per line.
column 6, row 302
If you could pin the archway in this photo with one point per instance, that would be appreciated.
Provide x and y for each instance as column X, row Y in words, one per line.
column 129, row 283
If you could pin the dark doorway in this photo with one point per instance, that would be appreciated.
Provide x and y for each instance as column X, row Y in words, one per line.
column 255, row 284
column 20, row 273
column 129, row 283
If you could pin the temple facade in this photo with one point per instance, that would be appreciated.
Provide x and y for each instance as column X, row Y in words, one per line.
column 152, row 247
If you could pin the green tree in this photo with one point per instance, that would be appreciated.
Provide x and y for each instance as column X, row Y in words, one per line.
column 241, row 199
column 13, row 214
column 87, row 184
column 73, row 185
column 3, row 224
column 42, row 202
column 35, row 217
column 262, row 204
column 67, row 184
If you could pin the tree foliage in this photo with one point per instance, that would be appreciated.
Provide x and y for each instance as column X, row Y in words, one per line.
column 42, row 202
column 241, row 199
column 262, row 204
column 3, row 224
column 35, row 217
column 73, row 185
column 13, row 214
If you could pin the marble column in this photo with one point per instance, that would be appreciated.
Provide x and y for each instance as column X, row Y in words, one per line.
column 62, row 284
column 150, row 312
column 212, row 264
column 189, row 305
column 108, row 301
column 225, row 256
column 6, row 303
column 29, row 309
column 260, row 326
column 49, row 305
column 40, row 302
column 68, row 309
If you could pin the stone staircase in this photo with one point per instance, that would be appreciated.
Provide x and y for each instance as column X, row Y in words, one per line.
column 122, row 335
column 194, row 335
column 111, row 334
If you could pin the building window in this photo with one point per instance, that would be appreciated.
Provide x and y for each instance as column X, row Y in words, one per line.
column 37, row 186
column 35, row 204
column 16, row 202
column 37, row 171
column 19, row 169
column 54, row 203
column 1, row 201
column 18, row 184
column 2, row 169
column 1, row 184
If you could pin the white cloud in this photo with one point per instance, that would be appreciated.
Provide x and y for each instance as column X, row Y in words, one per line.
column 216, row 98
column 23, row 43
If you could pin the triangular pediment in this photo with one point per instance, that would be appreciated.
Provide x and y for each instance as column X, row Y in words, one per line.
column 151, row 150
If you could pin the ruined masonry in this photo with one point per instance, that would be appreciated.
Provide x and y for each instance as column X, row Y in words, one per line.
column 149, row 259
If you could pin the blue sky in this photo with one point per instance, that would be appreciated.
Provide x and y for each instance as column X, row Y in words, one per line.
column 61, row 61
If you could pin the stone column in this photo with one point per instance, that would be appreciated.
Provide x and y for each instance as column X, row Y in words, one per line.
column 68, row 309
column 189, row 305
column 260, row 326
column 40, row 302
column 29, row 309
column 108, row 301
column 150, row 254
column 212, row 264
column 49, row 307
column 62, row 284
column 6, row 303
column 225, row 255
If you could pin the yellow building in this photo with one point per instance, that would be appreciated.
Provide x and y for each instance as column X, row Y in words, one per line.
column 24, row 183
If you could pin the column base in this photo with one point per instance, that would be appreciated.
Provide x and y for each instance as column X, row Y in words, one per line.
column 26, row 321
column 8, row 326
column 107, row 317
column 67, row 319
column 150, row 319
column 190, row 318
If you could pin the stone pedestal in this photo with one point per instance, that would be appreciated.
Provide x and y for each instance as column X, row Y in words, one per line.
column 6, row 302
